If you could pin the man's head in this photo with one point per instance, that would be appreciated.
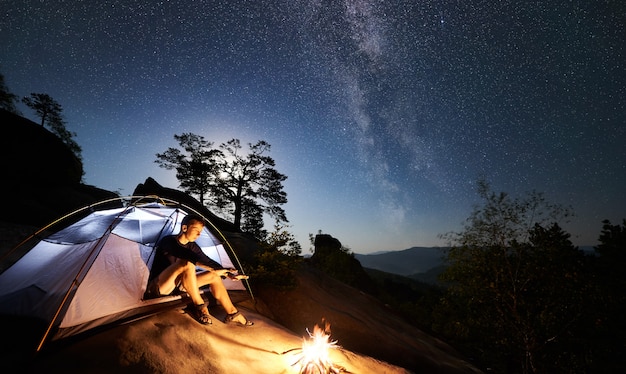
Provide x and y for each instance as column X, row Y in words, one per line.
column 191, row 227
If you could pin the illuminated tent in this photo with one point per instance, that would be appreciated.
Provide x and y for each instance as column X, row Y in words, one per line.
column 95, row 271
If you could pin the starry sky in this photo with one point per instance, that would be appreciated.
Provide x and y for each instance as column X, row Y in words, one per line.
column 383, row 114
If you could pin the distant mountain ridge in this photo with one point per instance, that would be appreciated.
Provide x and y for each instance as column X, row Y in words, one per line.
column 406, row 262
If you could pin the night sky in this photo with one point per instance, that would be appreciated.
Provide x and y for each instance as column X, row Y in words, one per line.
column 383, row 115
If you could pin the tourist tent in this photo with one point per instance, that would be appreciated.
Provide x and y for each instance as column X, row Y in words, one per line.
column 94, row 271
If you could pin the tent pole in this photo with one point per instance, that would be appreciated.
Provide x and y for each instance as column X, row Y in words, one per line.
column 56, row 315
column 90, row 259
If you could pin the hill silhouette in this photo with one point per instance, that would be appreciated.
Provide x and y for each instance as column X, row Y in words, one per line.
column 41, row 175
column 408, row 262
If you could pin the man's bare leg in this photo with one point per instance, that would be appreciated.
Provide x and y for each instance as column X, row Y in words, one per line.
column 217, row 289
column 190, row 283
column 220, row 293
column 168, row 278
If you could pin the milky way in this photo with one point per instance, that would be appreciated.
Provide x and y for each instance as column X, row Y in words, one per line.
column 382, row 114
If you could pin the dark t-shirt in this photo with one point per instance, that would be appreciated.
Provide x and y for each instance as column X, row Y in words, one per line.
column 170, row 246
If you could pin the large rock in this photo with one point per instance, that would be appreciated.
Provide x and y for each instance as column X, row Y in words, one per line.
column 152, row 187
column 359, row 323
column 333, row 259
column 32, row 155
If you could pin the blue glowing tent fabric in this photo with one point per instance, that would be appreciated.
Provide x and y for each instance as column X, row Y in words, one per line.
column 95, row 271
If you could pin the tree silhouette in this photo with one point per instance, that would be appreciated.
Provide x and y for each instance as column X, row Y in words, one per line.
column 277, row 260
column 609, row 325
column 50, row 112
column 195, row 164
column 45, row 106
column 244, row 185
column 520, row 282
column 7, row 99
column 247, row 184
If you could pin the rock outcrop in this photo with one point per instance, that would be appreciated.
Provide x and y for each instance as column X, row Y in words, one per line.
column 335, row 260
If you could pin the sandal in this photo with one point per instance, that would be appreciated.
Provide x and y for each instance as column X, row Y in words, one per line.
column 239, row 319
column 200, row 313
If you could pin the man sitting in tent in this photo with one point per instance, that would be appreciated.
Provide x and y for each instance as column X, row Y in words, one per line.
column 175, row 264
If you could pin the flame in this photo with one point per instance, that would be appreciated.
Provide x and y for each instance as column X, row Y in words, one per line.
column 314, row 357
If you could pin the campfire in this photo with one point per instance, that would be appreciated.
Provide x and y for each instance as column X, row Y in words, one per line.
column 314, row 356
